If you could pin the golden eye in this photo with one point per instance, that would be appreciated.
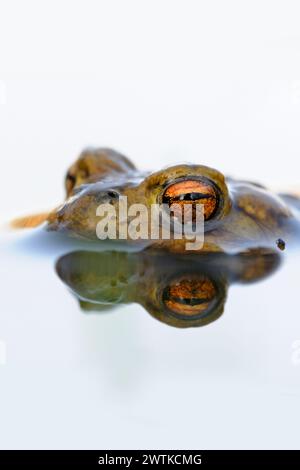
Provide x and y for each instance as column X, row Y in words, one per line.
column 192, row 192
column 189, row 297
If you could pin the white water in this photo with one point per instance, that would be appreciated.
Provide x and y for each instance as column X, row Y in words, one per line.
column 124, row 380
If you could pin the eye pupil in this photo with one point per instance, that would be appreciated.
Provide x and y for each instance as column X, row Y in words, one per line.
column 193, row 196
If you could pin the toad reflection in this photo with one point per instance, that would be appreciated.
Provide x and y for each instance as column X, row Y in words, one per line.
column 181, row 291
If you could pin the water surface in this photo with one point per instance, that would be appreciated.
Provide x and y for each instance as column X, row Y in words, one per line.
column 119, row 378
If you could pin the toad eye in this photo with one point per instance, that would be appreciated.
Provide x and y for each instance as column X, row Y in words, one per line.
column 192, row 192
column 189, row 296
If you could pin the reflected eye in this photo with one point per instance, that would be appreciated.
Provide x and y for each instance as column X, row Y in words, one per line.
column 189, row 297
column 192, row 192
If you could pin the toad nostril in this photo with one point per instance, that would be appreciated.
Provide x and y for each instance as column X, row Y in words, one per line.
column 113, row 194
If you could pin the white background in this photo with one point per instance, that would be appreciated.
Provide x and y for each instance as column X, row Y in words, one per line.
column 209, row 82
column 162, row 81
